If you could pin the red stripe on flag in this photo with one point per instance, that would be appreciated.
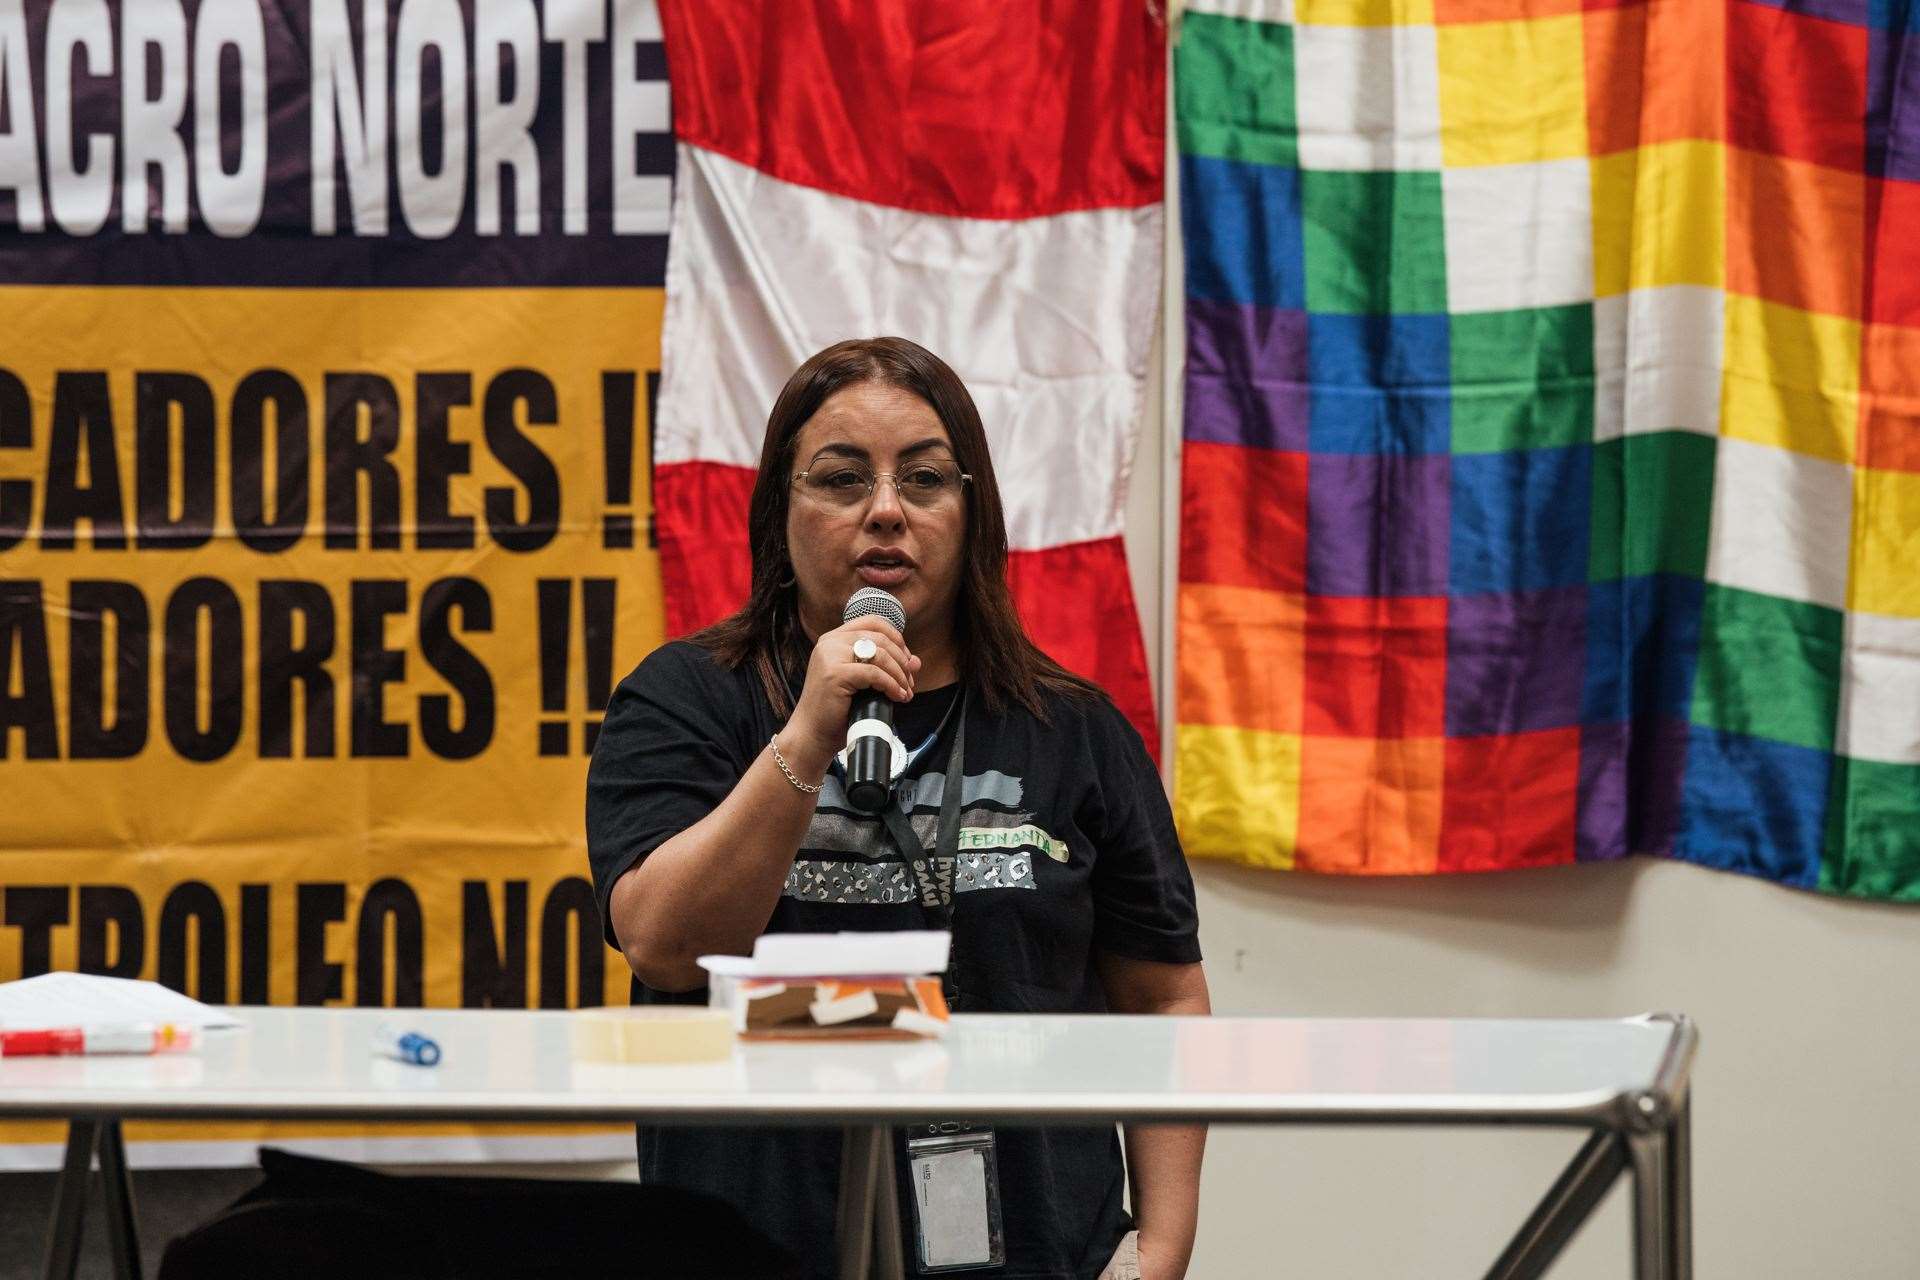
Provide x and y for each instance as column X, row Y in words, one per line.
column 700, row 522
column 1076, row 601
column 971, row 108
column 1077, row 604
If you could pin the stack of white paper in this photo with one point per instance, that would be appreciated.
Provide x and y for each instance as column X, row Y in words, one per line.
column 89, row 1000
column 826, row 955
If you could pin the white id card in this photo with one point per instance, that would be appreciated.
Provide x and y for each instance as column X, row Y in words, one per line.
column 956, row 1199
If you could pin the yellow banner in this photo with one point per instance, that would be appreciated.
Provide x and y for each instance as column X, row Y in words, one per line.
column 328, row 349
column 309, row 602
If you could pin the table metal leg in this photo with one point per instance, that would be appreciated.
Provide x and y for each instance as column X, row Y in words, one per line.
column 117, row 1199
column 1653, row 1235
column 860, row 1167
column 1575, row 1194
column 1680, row 1191
column 70, row 1201
column 888, row 1261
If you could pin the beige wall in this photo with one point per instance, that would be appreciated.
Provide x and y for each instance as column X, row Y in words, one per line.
column 1807, row 1115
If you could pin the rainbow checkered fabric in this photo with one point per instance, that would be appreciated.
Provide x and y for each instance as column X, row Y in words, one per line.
column 1552, row 436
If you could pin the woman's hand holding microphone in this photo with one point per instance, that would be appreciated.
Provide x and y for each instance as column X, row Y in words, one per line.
column 866, row 653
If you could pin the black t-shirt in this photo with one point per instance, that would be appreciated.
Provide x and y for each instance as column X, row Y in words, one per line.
column 1066, row 845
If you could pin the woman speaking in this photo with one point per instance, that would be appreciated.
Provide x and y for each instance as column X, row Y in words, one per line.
column 715, row 812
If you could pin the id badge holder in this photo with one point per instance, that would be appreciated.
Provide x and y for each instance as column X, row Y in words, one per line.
column 956, row 1198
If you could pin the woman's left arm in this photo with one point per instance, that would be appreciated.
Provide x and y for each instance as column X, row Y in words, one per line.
column 1163, row 1160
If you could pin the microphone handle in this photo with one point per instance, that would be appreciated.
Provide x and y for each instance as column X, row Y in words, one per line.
column 870, row 764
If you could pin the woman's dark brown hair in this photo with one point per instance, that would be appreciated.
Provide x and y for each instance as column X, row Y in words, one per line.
column 994, row 652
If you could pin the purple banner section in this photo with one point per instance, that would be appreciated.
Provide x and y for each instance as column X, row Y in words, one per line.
column 516, row 148
column 1247, row 378
column 1893, row 117
column 300, row 261
column 1645, row 758
column 1859, row 13
column 1377, row 525
column 1515, row 662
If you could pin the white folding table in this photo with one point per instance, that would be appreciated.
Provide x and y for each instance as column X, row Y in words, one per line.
column 1625, row 1081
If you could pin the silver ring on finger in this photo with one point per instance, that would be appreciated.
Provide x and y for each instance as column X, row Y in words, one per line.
column 864, row 649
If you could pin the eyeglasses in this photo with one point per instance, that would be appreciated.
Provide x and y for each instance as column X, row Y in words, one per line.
column 847, row 484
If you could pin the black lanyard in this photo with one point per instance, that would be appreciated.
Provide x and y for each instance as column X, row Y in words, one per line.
column 934, row 882
column 933, row 876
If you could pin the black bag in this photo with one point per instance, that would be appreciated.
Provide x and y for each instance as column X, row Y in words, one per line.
column 313, row 1218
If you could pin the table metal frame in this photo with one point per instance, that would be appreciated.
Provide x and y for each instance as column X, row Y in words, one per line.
column 1647, row 1132
column 1644, row 1132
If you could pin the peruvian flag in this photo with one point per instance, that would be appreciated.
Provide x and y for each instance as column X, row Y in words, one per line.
column 981, row 176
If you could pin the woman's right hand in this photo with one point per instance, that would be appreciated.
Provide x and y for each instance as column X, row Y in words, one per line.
column 818, row 728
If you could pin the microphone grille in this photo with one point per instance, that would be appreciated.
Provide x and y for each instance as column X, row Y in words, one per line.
column 872, row 601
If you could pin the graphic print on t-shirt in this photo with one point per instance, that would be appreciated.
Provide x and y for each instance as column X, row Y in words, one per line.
column 847, row 856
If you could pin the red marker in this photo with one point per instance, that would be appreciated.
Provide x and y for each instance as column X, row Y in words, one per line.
column 130, row 1037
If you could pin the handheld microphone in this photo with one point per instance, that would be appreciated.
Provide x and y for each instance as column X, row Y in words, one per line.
column 874, row 756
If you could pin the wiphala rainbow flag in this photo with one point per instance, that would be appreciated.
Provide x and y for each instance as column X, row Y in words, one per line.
column 1552, row 436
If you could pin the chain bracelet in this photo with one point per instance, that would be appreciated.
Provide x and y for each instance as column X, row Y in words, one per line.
column 810, row 790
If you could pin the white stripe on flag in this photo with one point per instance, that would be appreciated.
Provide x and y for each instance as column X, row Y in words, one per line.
column 1048, row 321
column 1251, row 10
